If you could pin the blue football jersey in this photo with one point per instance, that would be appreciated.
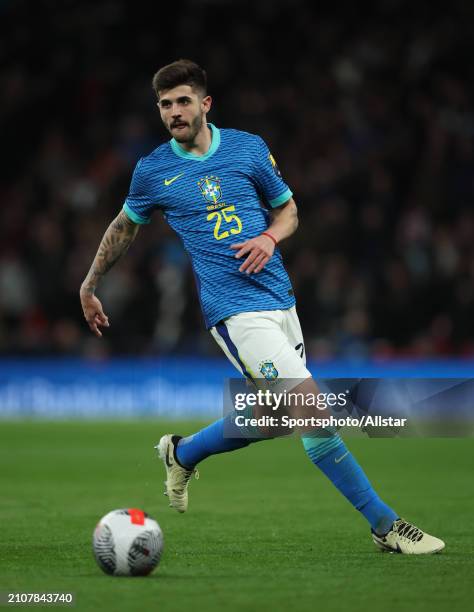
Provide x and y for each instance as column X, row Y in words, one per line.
column 213, row 201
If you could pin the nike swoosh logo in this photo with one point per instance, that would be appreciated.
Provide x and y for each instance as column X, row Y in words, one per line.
column 172, row 180
column 167, row 458
column 339, row 459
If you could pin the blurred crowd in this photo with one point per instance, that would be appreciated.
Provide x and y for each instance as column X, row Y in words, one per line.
column 368, row 111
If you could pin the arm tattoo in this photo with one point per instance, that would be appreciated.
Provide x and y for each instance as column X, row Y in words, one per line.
column 115, row 242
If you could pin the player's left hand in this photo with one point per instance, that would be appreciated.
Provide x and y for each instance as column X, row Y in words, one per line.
column 259, row 249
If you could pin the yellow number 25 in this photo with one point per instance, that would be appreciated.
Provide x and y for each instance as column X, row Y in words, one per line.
column 228, row 218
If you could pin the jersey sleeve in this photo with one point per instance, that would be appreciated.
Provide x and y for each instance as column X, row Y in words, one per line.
column 138, row 204
column 268, row 178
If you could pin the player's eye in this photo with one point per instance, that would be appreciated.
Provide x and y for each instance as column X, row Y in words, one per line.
column 165, row 104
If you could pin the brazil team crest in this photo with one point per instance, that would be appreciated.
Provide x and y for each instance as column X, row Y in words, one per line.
column 268, row 370
column 210, row 187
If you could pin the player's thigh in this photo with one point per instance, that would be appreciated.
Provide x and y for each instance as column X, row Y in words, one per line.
column 257, row 343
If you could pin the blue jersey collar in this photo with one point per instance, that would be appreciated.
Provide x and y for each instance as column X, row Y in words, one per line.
column 215, row 142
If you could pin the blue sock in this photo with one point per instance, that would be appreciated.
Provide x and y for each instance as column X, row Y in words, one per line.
column 214, row 439
column 329, row 453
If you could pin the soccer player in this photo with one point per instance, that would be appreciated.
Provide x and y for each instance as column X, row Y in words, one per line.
column 222, row 192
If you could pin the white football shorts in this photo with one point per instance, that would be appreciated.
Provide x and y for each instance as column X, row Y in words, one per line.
column 266, row 344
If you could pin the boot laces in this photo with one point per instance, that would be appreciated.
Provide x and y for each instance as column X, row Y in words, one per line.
column 408, row 530
column 185, row 475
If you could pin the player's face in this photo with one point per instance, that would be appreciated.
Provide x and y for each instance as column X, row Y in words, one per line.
column 183, row 111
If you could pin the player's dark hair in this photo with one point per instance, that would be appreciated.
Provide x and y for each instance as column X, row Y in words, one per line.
column 181, row 72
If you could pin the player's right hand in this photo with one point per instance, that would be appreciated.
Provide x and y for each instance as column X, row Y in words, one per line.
column 94, row 313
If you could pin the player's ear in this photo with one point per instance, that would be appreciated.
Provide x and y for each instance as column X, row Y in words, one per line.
column 206, row 104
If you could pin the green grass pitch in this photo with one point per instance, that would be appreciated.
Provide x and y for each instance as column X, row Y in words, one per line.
column 264, row 531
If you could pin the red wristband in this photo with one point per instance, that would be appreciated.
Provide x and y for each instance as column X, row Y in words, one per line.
column 270, row 236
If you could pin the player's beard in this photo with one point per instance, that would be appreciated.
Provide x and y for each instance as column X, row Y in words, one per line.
column 192, row 131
